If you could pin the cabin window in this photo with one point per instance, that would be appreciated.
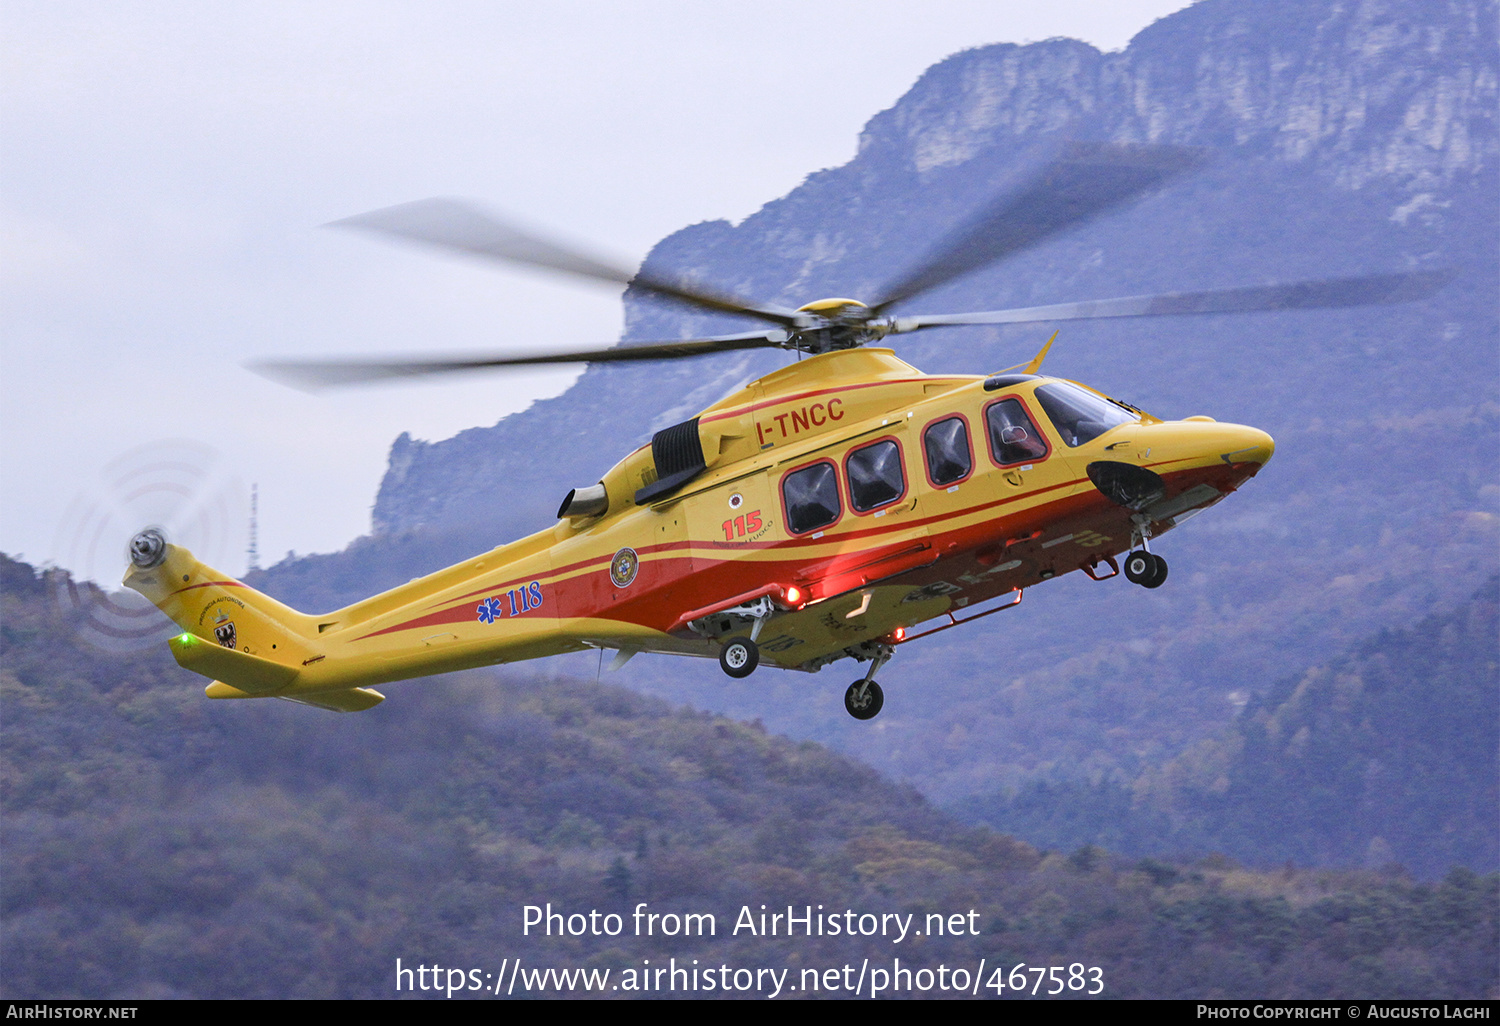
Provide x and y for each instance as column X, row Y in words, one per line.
column 875, row 476
column 811, row 496
column 1013, row 437
column 1080, row 416
column 949, row 458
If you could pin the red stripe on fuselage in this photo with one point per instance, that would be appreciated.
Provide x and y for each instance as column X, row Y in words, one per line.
column 458, row 614
column 699, row 549
column 691, row 575
column 210, row 584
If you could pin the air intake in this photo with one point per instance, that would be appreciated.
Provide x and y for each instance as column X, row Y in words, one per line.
column 677, row 452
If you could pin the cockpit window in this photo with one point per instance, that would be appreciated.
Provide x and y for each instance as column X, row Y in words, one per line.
column 1080, row 416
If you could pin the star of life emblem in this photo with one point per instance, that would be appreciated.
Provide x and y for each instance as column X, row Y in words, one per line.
column 623, row 567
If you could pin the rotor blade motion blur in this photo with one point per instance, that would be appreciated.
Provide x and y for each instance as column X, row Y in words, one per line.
column 1082, row 182
column 1069, row 185
column 314, row 375
column 455, row 225
column 1366, row 290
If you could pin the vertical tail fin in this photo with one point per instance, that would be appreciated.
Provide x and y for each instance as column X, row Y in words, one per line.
column 230, row 631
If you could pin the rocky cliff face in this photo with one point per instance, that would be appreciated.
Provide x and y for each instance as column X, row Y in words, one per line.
column 1390, row 105
column 1349, row 136
column 1382, row 91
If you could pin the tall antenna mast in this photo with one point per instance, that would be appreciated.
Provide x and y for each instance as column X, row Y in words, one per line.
column 253, row 553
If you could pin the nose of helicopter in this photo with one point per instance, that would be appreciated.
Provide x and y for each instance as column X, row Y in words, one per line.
column 1242, row 444
column 1165, row 443
column 1197, row 441
column 1133, row 470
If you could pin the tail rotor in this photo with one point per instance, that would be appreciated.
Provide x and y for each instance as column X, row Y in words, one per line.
column 175, row 490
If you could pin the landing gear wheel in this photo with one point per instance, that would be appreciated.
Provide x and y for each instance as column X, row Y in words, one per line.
column 1159, row 572
column 864, row 699
column 1140, row 567
column 739, row 657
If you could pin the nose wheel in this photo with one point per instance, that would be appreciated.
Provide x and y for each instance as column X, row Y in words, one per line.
column 1146, row 569
column 864, row 699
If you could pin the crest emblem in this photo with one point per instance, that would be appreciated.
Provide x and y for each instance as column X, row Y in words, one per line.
column 623, row 567
column 224, row 631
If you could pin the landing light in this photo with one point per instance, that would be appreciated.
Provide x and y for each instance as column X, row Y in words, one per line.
column 794, row 595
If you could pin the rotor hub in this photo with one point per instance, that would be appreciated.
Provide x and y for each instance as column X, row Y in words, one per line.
column 833, row 324
column 148, row 549
column 833, row 308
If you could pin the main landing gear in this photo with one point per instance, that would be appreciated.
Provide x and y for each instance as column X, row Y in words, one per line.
column 739, row 657
column 1146, row 569
column 864, row 699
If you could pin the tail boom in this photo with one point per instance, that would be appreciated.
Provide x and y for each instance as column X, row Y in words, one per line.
column 247, row 643
column 252, row 646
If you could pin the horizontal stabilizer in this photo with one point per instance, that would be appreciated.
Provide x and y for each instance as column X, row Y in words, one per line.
column 241, row 670
column 353, row 700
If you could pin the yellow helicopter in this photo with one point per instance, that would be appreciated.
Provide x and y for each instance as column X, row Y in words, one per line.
column 841, row 506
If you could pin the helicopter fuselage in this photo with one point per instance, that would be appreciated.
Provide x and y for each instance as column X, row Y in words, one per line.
column 841, row 506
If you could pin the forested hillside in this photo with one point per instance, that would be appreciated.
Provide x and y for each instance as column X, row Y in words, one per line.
column 159, row 844
column 1389, row 753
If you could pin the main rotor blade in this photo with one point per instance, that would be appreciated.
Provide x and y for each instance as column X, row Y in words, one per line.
column 1366, row 290
column 453, row 224
column 1082, row 182
column 314, row 375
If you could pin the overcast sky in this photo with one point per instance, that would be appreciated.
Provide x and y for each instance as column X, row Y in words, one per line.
column 163, row 168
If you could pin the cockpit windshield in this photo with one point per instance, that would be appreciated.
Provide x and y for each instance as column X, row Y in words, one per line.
column 1079, row 415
